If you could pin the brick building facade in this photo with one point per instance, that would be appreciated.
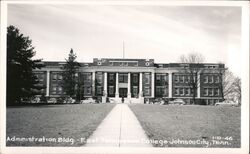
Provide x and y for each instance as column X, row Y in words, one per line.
column 135, row 79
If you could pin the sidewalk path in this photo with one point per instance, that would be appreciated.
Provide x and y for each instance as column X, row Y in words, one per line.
column 119, row 129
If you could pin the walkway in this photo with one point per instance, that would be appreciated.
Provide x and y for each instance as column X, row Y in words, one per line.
column 119, row 129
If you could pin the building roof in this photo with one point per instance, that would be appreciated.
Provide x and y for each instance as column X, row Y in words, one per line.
column 134, row 63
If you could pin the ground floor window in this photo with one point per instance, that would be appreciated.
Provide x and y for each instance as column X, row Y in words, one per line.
column 135, row 91
column 111, row 91
column 87, row 90
column 161, row 91
column 146, row 91
column 99, row 90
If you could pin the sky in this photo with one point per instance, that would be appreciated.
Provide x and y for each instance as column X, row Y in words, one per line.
column 162, row 33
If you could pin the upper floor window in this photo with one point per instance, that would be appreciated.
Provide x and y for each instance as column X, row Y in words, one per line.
column 147, row 78
column 111, row 77
column 135, row 78
column 59, row 76
column 206, row 79
column 216, row 79
column 176, row 78
column 123, row 78
column 176, row 91
column 216, row 92
column 99, row 78
column 54, row 76
column 182, row 91
column 87, row 77
column 187, row 91
column 205, row 91
column 211, row 91
column 210, row 79
column 182, row 78
column 187, row 79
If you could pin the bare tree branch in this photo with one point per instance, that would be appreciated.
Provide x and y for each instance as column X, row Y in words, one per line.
column 192, row 70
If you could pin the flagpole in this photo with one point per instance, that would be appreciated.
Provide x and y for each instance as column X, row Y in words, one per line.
column 123, row 50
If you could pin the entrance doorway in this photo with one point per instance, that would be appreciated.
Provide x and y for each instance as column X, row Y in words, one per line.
column 123, row 92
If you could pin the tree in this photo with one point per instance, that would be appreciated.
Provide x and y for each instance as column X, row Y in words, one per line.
column 70, row 75
column 231, row 86
column 21, row 82
column 192, row 69
column 227, row 78
column 237, row 89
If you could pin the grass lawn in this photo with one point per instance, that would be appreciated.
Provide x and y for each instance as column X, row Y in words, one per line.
column 183, row 125
column 59, row 125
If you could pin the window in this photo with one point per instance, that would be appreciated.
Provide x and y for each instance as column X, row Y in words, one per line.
column 158, row 78
column 87, row 90
column 99, row 78
column 160, row 91
column 191, row 92
column 147, row 78
column 210, row 92
column 205, row 79
column 99, row 90
column 205, row 91
column 111, row 63
column 135, row 78
column 135, row 91
column 54, row 77
column 59, row 88
column 176, row 78
column 111, row 90
column 216, row 79
column 216, row 91
column 40, row 77
column 111, row 77
column 54, row 90
column 176, row 91
column 187, row 91
column 146, row 91
column 42, row 91
column 210, row 79
column 123, row 78
column 87, row 77
column 187, row 79
column 59, row 76
column 181, row 91
column 181, row 78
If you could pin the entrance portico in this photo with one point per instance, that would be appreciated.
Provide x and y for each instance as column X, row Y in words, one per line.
column 122, row 84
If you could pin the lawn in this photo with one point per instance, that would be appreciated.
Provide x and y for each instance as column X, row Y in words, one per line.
column 54, row 125
column 190, row 126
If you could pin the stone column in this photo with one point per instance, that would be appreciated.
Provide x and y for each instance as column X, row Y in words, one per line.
column 48, row 83
column 129, row 85
column 93, row 83
column 152, row 84
column 140, row 86
column 170, row 84
column 117, row 85
column 105, row 84
column 199, row 85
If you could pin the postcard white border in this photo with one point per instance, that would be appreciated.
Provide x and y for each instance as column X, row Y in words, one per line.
column 245, row 82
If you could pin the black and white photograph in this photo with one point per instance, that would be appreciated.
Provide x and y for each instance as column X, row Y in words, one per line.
column 155, row 77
